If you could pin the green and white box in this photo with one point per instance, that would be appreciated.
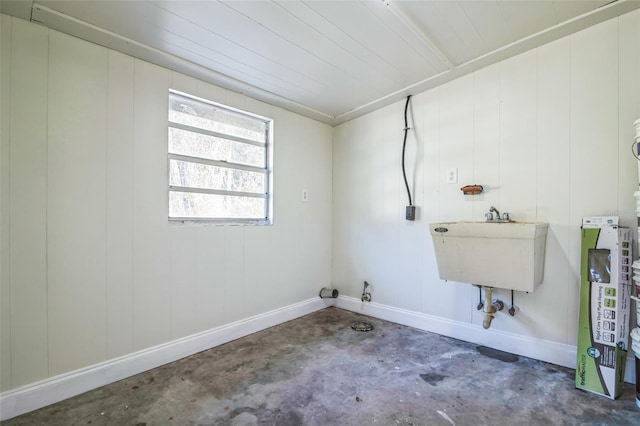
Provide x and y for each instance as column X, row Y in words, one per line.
column 605, row 286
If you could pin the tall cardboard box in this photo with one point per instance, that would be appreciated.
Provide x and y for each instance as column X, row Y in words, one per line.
column 605, row 287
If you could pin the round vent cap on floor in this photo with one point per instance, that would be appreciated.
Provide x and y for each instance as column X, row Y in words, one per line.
column 362, row 326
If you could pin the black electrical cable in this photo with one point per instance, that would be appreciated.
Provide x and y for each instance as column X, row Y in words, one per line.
column 404, row 145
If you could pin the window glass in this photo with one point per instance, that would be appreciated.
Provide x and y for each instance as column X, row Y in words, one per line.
column 204, row 146
column 203, row 176
column 218, row 162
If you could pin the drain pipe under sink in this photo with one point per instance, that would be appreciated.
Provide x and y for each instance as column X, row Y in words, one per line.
column 490, row 308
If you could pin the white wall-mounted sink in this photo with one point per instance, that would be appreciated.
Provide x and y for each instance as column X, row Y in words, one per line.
column 502, row 255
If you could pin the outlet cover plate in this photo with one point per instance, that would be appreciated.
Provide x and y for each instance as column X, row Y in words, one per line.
column 452, row 175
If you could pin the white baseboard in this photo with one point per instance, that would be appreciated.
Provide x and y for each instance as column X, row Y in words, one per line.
column 40, row 394
column 543, row 350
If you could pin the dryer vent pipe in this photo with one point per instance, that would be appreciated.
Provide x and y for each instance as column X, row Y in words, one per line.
column 328, row 293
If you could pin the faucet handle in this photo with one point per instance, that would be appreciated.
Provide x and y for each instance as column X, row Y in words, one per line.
column 489, row 216
column 506, row 216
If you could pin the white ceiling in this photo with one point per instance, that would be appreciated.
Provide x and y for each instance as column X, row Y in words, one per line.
column 328, row 60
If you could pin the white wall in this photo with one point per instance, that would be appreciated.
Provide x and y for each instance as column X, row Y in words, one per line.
column 547, row 133
column 91, row 270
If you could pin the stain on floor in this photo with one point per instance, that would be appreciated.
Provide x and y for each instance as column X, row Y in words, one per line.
column 316, row 370
column 496, row 354
column 432, row 378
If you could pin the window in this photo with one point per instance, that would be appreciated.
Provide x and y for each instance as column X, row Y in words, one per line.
column 218, row 162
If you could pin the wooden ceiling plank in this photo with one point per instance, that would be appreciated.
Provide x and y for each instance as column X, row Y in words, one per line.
column 427, row 16
column 413, row 34
column 566, row 10
column 303, row 38
column 184, row 34
column 471, row 45
column 488, row 20
column 246, row 34
column 527, row 17
column 341, row 40
column 357, row 21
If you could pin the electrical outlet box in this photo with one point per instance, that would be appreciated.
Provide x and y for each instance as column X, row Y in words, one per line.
column 411, row 213
column 305, row 195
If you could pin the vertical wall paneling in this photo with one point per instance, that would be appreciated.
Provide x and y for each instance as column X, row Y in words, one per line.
column 385, row 201
column 263, row 284
column 28, row 202
column 297, row 224
column 377, row 204
column 183, row 248
column 486, row 140
column 76, row 203
column 430, row 206
column 211, row 285
column 231, row 294
column 213, row 93
column 552, row 193
column 313, row 173
column 456, row 146
column 235, row 100
column 357, row 192
column 151, row 274
column 594, row 96
column 456, row 151
column 409, row 270
column 548, row 134
column 518, row 157
column 342, row 270
column 184, row 270
column 119, row 225
column 5, row 122
column 486, row 152
column 206, row 264
column 91, row 269
column 594, row 137
column 185, row 84
column 629, row 111
column 594, row 100
column 518, row 127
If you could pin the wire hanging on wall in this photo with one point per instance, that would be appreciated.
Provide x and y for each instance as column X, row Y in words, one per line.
column 411, row 210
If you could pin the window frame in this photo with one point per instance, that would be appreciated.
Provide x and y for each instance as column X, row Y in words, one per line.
column 267, row 170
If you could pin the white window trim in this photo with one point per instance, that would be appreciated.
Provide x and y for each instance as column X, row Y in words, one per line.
column 268, row 171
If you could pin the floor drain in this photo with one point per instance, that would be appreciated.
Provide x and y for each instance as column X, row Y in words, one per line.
column 362, row 326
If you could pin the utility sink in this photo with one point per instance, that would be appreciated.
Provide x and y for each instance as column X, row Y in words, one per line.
column 507, row 255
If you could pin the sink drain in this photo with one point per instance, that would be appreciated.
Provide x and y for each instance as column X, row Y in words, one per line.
column 362, row 326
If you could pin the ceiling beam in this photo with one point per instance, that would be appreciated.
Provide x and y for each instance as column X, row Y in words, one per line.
column 408, row 22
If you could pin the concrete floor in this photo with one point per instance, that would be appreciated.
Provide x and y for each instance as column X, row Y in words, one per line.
column 317, row 371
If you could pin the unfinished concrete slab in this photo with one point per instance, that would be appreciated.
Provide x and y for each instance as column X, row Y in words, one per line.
column 317, row 370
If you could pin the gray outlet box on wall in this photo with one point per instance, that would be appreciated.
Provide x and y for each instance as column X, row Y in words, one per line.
column 411, row 213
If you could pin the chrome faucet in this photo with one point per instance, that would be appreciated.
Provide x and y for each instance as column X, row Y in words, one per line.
column 494, row 210
column 506, row 217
